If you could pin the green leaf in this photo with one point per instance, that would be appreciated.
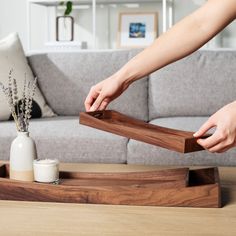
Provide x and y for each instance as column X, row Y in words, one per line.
column 69, row 8
column 61, row 3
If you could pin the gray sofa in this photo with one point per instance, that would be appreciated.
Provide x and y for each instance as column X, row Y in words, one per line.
column 182, row 95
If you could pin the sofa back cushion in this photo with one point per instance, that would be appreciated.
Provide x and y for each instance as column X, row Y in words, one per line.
column 66, row 78
column 12, row 58
column 197, row 85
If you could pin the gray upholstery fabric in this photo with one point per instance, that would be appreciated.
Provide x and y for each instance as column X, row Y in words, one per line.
column 195, row 86
column 184, row 92
column 142, row 153
column 64, row 138
column 66, row 78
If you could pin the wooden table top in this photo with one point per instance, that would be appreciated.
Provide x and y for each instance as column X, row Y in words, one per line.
column 33, row 218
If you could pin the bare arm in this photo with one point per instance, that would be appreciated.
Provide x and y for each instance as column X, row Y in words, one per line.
column 181, row 40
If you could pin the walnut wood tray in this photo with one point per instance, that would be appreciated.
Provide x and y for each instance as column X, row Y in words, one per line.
column 173, row 187
column 123, row 125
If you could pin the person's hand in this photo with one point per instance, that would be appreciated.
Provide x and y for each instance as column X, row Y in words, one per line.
column 224, row 137
column 103, row 93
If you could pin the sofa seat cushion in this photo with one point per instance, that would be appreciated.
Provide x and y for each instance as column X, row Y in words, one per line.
column 65, row 139
column 142, row 153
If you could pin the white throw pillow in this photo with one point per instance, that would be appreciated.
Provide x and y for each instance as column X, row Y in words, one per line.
column 12, row 57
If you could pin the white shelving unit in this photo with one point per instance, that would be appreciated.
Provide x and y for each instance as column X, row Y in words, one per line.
column 167, row 12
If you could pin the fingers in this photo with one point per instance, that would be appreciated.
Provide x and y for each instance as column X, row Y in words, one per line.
column 96, row 100
column 97, row 103
column 103, row 105
column 93, row 94
column 221, row 147
column 224, row 149
column 204, row 128
column 217, row 147
column 218, row 142
column 213, row 140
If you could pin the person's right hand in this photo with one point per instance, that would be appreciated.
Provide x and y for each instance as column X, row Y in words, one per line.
column 103, row 93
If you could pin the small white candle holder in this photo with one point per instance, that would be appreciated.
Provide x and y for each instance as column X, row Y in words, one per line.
column 46, row 171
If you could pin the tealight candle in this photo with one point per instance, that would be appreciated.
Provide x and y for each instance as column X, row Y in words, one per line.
column 46, row 171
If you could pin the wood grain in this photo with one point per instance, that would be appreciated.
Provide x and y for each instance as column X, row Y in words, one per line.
column 117, row 123
column 167, row 175
column 198, row 188
column 42, row 218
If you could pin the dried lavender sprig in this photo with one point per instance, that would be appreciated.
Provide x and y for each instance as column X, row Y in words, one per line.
column 15, row 96
column 2, row 87
column 21, row 122
column 10, row 94
column 10, row 79
column 26, row 111
column 12, row 109
column 33, row 89
column 14, row 90
column 23, row 113
column 11, row 106
column 22, row 106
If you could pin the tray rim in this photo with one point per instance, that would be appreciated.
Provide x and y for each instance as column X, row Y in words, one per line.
column 187, row 143
column 80, row 194
column 5, row 167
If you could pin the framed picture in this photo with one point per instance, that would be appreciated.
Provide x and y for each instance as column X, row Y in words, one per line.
column 137, row 29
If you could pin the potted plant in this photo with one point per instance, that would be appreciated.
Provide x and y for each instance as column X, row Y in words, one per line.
column 23, row 149
column 65, row 23
column 69, row 7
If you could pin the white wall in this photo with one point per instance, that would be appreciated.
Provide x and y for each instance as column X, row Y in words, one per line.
column 13, row 18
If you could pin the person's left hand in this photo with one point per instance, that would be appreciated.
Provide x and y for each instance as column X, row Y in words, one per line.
column 224, row 137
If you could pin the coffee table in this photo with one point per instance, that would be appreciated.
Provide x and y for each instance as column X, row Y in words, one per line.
column 33, row 218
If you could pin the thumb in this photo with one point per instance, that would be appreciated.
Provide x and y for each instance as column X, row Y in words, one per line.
column 97, row 102
column 204, row 128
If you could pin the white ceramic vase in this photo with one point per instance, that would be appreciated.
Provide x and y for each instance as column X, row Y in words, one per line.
column 23, row 152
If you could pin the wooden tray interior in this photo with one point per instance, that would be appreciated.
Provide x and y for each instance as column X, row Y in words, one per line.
column 117, row 123
column 168, row 178
column 206, row 176
column 181, row 177
column 118, row 119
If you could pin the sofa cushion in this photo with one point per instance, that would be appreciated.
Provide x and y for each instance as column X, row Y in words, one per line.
column 195, row 86
column 64, row 138
column 12, row 58
column 142, row 153
column 66, row 78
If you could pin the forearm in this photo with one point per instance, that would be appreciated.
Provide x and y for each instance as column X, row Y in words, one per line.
column 181, row 40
